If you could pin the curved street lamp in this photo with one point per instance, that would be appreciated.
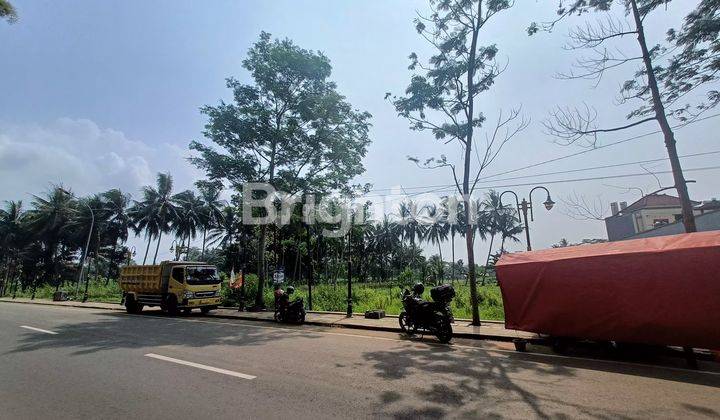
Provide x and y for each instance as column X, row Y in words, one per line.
column 526, row 205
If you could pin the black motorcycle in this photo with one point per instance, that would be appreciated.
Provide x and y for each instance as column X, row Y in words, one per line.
column 290, row 311
column 433, row 317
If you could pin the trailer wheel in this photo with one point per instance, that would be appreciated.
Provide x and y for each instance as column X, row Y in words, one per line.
column 560, row 345
column 520, row 345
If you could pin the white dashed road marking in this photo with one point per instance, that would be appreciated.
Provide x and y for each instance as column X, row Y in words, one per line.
column 199, row 366
column 38, row 330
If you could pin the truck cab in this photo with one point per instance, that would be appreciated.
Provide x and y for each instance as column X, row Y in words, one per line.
column 173, row 286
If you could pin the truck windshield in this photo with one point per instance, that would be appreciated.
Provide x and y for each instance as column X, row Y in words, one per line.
column 202, row 275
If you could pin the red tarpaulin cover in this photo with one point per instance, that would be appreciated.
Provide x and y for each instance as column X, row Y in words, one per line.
column 663, row 290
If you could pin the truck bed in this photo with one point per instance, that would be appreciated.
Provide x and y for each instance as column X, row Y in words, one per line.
column 146, row 279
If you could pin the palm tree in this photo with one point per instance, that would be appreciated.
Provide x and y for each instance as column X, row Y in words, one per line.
column 457, row 226
column 410, row 228
column 510, row 227
column 212, row 208
column 47, row 222
column 437, row 231
column 114, row 205
column 155, row 212
column 491, row 212
column 11, row 238
column 143, row 220
column 188, row 216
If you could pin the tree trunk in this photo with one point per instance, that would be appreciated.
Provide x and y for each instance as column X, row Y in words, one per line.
column 147, row 249
column 670, row 143
column 466, row 169
column 107, row 272
column 202, row 253
column 487, row 261
column 157, row 248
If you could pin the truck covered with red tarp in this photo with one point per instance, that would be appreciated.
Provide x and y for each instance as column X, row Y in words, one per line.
column 663, row 290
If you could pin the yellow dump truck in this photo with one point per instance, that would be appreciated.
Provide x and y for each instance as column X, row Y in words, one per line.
column 173, row 286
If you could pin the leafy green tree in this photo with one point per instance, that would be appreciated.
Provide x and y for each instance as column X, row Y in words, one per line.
column 290, row 128
column 443, row 97
column 7, row 11
column 693, row 67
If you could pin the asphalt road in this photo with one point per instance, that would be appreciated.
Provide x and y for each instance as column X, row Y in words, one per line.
column 82, row 363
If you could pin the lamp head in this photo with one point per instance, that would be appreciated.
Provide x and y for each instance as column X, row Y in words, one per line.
column 549, row 203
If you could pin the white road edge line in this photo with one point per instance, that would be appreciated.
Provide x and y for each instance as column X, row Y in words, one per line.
column 38, row 330
column 199, row 366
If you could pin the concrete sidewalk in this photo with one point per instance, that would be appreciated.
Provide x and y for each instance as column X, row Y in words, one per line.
column 489, row 330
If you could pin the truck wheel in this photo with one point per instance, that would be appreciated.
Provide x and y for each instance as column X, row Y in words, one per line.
column 206, row 310
column 131, row 305
column 171, row 305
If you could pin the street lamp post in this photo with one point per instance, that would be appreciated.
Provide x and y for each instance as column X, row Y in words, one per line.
column 349, row 275
column 87, row 247
column 526, row 205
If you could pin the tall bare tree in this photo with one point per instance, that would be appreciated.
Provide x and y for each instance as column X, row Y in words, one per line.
column 444, row 98
column 659, row 79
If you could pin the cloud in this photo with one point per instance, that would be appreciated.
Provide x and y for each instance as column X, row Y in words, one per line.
column 84, row 157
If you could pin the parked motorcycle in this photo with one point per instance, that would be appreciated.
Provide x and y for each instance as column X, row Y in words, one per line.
column 433, row 317
column 289, row 311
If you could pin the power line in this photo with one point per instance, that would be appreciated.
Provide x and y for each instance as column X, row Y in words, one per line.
column 444, row 187
column 559, row 181
column 563, row 157
column 599, row 147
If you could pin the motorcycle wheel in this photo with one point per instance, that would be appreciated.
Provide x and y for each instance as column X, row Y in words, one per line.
column 405, row 326
column 444, row 333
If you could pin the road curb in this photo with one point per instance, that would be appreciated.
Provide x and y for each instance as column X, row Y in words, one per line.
column 491, row 337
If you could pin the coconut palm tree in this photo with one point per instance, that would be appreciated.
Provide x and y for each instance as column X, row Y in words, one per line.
column 11, row 239
column 457, row 226
column 47, row 222
column 155, row 212
column 212, row 208
column 438, row 230
column 491, row 212
column 510, row 227
column 115, row 209
column 188, row 217
column 409, row 226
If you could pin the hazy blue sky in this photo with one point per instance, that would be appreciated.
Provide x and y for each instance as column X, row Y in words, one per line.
column 99, row 94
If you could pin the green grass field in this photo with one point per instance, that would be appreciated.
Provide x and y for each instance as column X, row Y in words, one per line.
column 326, row 297
column 367, row 296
